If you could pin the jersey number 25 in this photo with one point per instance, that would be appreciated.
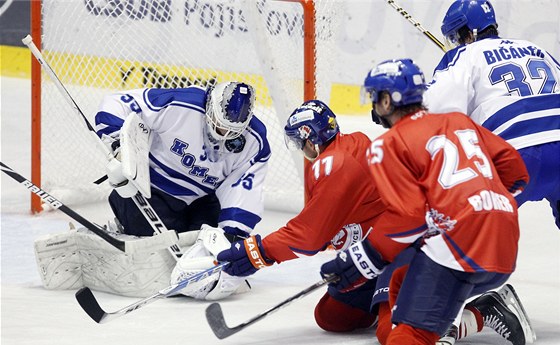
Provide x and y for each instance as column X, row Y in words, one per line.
column 450, row 175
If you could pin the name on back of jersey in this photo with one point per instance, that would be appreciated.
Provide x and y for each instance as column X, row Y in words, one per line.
column 489, row 200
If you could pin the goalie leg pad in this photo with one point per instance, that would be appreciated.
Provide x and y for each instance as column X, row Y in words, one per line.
column 59, row 261
column 106, row 269
column 73, row 259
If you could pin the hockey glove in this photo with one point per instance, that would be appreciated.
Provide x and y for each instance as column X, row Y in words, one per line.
column 245, row 257
column 354, row 266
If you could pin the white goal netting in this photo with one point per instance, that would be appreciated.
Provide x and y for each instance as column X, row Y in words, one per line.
column 100, row 46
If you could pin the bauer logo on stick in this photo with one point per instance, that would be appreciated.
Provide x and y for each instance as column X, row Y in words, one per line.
column 42, row 194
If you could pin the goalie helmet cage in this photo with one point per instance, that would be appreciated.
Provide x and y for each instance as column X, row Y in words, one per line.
column 284, row 48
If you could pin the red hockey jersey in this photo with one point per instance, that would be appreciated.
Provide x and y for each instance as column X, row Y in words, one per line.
column 339, row 191
column 445, row 178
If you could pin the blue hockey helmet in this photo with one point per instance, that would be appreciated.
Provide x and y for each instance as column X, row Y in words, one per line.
column 229, row 109
column 476, row 15
column 401, row 78
column 313, row 121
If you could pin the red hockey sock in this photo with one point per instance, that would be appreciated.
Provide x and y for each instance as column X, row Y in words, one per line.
column 334, row 316
column 405, row 334
column 471, row 322
column 384, row 324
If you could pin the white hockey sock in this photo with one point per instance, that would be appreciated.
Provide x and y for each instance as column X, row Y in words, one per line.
column 469, row 324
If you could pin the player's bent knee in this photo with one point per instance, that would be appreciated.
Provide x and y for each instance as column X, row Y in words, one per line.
column 334, row 316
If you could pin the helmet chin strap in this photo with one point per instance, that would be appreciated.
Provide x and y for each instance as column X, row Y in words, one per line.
column 381, row 120
column 316, row 152
column 475, row 34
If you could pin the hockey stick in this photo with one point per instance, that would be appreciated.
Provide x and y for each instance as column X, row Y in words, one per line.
column 144, row 244
column 155, row 221
column 215, row 316
column 89, row 303
column 143, row 205
column 417, row 25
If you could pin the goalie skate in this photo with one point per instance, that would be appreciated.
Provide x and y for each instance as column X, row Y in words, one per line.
column 510, row 298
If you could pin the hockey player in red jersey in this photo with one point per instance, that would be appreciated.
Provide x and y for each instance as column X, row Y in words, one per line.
column 342, row 205
column 448, row 182
column 339, row 195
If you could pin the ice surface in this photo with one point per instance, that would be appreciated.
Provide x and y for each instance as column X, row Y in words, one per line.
column 35, row 316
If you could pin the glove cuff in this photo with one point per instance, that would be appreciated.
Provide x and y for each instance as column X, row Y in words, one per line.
column 255, row 252
column 366, row 259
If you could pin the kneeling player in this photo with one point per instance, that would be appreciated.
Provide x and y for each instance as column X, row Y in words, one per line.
column 431, row 171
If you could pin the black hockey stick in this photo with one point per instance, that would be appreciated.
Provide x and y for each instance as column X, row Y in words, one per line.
column 215, row 316
column 148, row 243
column 143, row 205
column 89, row 303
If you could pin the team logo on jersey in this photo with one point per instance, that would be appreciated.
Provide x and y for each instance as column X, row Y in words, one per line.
column 188, row 160
column 236, row 145
column 347, row 236
column 438, row 223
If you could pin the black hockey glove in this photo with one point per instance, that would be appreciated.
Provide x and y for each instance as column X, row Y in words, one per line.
column 354, row 266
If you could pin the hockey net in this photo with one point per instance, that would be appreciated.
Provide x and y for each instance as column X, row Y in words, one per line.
column 100, row 46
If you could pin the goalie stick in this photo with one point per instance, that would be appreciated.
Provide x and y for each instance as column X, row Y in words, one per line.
column 129, row 247
column 417, row 25
column 143, row 205
column 215, row 316
column 89, row 303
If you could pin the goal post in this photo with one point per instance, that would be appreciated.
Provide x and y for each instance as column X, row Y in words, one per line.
column 283, row 48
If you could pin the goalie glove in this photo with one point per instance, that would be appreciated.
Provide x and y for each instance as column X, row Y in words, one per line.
column 355, row 266
column 245, row 257
column 202, row 256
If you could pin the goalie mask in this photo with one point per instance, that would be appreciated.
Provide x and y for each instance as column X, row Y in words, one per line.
column 313, row 121
column 229, row 109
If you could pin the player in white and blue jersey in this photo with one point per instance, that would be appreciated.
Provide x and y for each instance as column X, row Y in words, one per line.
column 207, row 158
column 510, row 86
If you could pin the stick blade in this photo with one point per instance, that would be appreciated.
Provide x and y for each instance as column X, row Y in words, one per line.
column 215, row 318
column 89, row 304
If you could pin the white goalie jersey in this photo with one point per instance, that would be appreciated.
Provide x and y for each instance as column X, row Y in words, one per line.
column 179, row 159
column 511, row 87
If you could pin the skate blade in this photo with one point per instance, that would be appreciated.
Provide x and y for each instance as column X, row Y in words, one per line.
column 510, row 298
